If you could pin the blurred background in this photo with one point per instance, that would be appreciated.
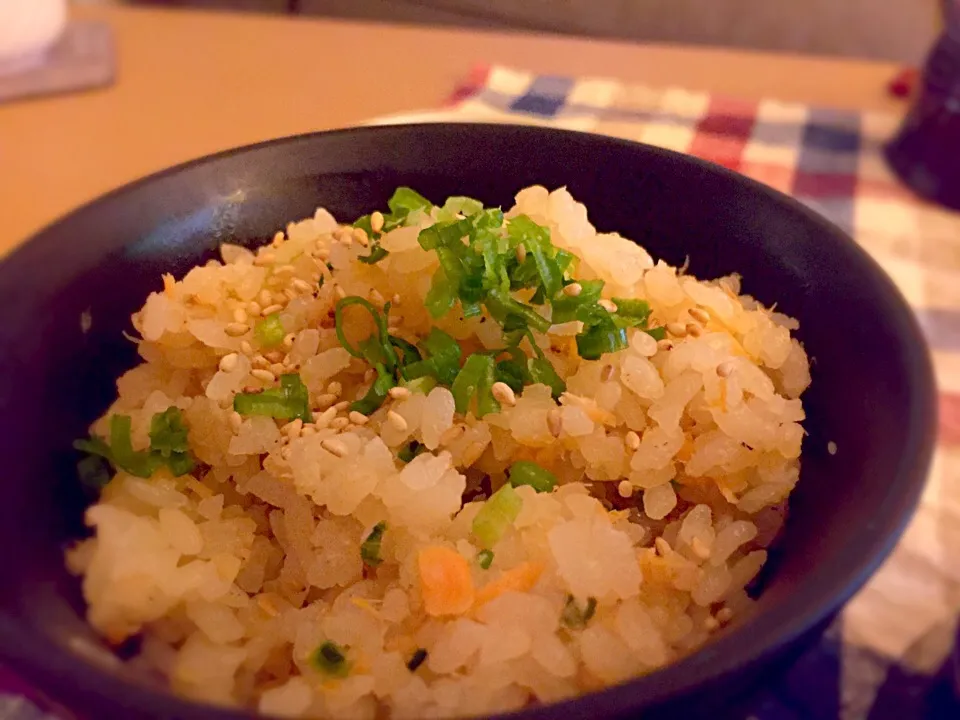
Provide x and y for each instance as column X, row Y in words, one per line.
column 899, row 30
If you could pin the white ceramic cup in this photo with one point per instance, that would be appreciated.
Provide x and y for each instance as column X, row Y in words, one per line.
column 27, row 30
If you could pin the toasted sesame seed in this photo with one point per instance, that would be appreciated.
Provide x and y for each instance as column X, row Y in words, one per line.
column 503, row 394
column 398, row 393
column 240, row 315
column 288, row 340
column 573, row 289
column 700, row 315
column 253, row 307
column 360, row 235
column 625, row 489
column 726, row 368
column 341, row 293
column 694, row 330
column 266, row 298
column 607, row 305
column 663, row 547
column 699, row 548
column 326, row 400
column 271, row 309
column 724, row 615
column 376, row 221
column 606, row 373
column 236, row 329
column 236, row 420
column 292, row 428
column 452, row 434
column 832, row 447
column 278, row 368
column 677, row 329
column 521, row 253
column 274, row 356
column 342, row 405
column 339, row 423
column 324, row 418
column 335, row 388
column 264, row 375
column 228, row 363
column 246, row 348
column 301, row 285
column 260, row 361
column 358, row 418
column 631, row 440
column 397, row 421
column 555, row 421
column 334, row 447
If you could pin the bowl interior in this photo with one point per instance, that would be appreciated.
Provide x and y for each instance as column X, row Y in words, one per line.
column 871, row 395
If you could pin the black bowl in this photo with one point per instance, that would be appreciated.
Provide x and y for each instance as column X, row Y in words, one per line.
column 872, row 392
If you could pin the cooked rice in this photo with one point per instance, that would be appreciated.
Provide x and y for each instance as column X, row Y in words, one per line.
column 674, row 466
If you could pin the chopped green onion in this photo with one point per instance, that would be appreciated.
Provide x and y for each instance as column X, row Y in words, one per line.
column 496, row 515
column 565, row 307
column 410, row 352
column 462, row 205
column 377, row 394
column 441, row 296
column 377, row 253
column 269, row 332
column 330, row 660
column 409, row 451
column 168, row 434
column 524, row 472
column 370, row 548
column 511, row 373
column 485, row 559
column 540, row 371
column 573, row 616
column 601, row 339
column 475, row 379
column 657, row 333
column 139, row 463
column 380, row 319
column 627, row 307
column 405, row 201
column 290, row 400
column 442, row 360
column 417, row 659
column 94, row 471
column 422, row 385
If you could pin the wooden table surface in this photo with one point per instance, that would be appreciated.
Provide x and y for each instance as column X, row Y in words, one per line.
column 191, row 83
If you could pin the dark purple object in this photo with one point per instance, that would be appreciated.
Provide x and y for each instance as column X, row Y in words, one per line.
column 873, row 392
column 925, row 152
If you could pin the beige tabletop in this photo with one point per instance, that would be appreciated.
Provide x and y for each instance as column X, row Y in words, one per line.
column 190, row 83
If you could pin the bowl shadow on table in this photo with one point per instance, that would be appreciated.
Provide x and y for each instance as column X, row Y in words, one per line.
column 187, row 215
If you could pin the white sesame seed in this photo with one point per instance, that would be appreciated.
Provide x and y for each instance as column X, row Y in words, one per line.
column 377, row 297
column 271, row 309
column 398, row 393
column 724, row 615
column 832, row 447
column 397, row 420
column 236, row 329
column 607, row 305
column 503, row 394
column 700, row 315
column 288, row 340
column 376, row 221
column 228, row 363
column 395, row 300
column 726, row 369
column 265, row 297
column 284, row 270
column 253, row 308
column 236, row 420
column 246, row 348
column 694, row 330
column 631, row 440
column 274, row 356
column 334, row 447
column 301, row 285
column 290, row 294
column 260, row 361
column 699, row 548
column 452, row 434
column 573, row 289
column 521, row 253
column 360, row 236
column 358, row 418
column 278, row 368
column 342, row 405
column 710, row 623
column 308, row 430
column 663, row 547
column 326, row 400
column 264, row 259
column 369, row 375
column 240, row 315
column 625, row 489
column 555, row 421
column 324, row 418
column 677, row 329
column 335, row 388
column 292, row 428
column 277, row 239
column 339, row 423
column 341, row 293
column 606, row 373
column 264, row 375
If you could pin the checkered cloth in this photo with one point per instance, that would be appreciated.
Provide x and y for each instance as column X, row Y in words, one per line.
column 883, row 658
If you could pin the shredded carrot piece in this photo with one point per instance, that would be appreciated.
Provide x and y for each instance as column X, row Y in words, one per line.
column 168, row 283
column 445, row 581
column 519, row 579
